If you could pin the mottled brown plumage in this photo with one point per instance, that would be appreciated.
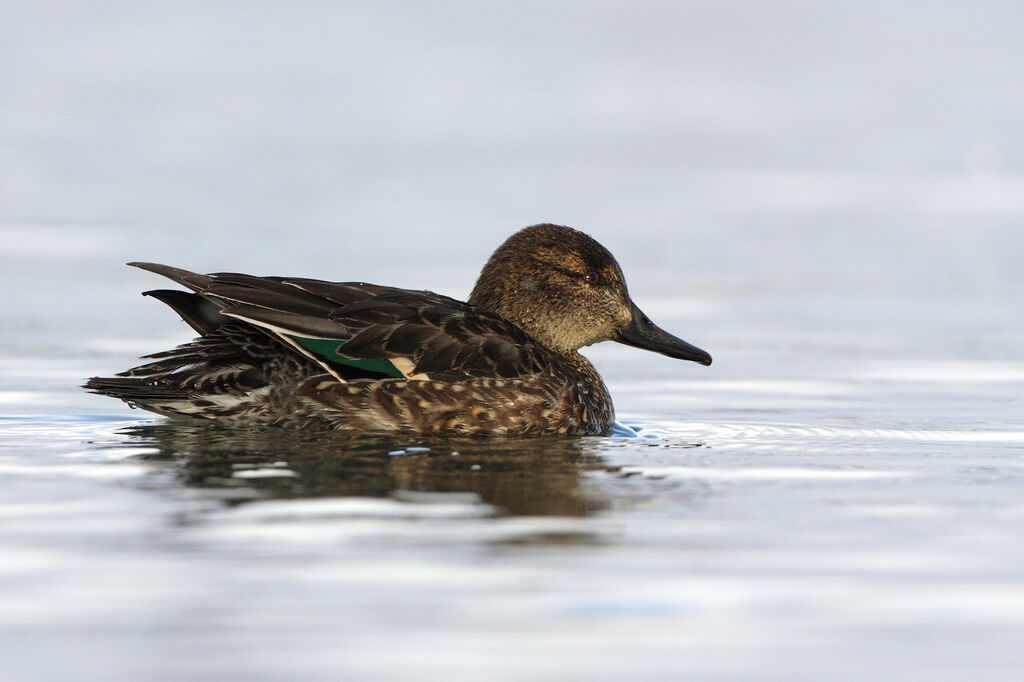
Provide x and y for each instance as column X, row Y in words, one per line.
column 351, row 356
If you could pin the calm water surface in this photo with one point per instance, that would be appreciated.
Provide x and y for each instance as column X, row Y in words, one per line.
column 855, row 516
column 832, row 206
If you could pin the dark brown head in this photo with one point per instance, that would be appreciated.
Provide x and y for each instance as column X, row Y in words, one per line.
column 567, row 291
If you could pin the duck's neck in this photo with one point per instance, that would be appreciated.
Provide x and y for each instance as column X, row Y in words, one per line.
column 514, row 306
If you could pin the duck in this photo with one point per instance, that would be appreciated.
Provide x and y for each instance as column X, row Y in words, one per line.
column 364, row 358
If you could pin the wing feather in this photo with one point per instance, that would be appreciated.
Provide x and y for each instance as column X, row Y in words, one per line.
column 374, row 326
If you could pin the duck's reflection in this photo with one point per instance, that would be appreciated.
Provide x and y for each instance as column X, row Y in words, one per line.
column 537, row 476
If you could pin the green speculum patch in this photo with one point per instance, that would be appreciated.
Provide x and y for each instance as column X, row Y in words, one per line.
column 330, row 350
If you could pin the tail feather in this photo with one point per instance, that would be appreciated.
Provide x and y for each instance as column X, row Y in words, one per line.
column 165, row 395
column 191, row 280
column 199, row 313
column 135, row 390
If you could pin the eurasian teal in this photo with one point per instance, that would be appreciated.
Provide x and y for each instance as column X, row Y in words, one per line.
column 317, row 355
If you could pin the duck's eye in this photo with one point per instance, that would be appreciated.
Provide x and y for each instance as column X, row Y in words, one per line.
column 593, row 278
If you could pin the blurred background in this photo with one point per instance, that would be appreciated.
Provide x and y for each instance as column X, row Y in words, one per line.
column 715, row 147
column 829, row 197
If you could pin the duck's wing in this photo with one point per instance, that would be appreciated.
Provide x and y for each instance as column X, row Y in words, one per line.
column 357, row 330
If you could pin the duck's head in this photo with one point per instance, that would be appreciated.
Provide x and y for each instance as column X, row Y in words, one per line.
column 566, row 290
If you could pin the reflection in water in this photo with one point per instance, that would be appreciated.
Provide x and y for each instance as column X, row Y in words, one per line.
column 536, row 476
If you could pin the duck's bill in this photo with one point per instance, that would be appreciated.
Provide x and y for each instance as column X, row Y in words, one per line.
column 643, row 333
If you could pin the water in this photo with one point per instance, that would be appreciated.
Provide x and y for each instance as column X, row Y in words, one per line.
column 828, row 199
